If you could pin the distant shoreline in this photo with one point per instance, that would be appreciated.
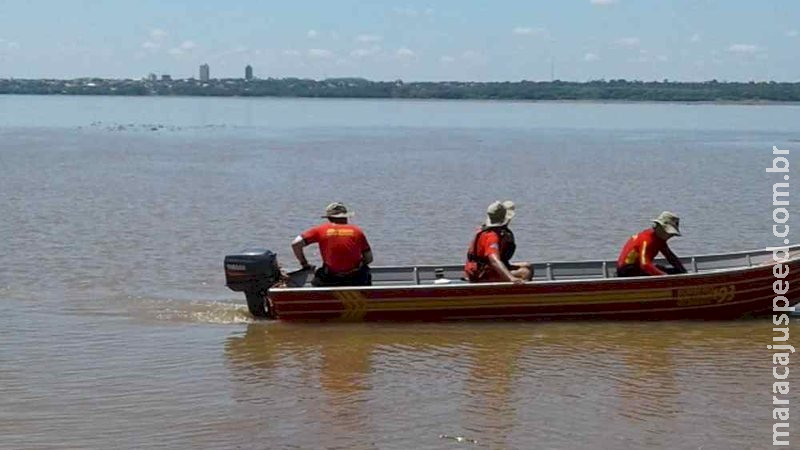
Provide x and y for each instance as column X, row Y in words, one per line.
column 434, row 99
column 611, row 91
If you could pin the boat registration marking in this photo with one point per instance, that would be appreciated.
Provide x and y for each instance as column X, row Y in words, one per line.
column 705, row 295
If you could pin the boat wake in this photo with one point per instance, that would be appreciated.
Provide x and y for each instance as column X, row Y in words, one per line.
column 196, row 311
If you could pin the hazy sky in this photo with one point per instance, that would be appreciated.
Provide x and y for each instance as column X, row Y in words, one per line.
column 410, row 40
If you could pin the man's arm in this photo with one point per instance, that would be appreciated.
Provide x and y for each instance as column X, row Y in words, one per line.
column 494, row 261
column 366, row 250
column 673, row 259
column 646, row 263
column 297, row 247
column 366, row 257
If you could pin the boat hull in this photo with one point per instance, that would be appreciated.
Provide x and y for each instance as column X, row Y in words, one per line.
column 722, row 295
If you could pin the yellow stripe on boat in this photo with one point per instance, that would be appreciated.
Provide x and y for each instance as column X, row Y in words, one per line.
column 356, row 305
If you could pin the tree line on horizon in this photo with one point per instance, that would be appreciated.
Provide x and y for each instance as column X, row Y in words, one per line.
column 621, row 90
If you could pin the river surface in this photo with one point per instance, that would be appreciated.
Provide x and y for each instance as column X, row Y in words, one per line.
column 116, row 329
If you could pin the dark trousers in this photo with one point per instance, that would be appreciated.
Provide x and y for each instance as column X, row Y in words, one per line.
column 360, row 277
column 636, row 271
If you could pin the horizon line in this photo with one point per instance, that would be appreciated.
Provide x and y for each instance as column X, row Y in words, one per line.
column 399, row 80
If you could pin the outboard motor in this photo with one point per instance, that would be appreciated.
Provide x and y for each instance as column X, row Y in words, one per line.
column 253, row 272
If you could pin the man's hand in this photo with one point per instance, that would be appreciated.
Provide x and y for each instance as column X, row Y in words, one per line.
column 517, row 281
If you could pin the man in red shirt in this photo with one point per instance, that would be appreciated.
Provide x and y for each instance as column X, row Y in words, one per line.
column 636, row 258
column 345, row 252
column 489, row 254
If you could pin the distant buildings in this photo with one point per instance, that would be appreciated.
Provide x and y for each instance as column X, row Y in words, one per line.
column 205, row 73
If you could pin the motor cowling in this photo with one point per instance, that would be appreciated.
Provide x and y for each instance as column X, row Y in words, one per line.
column 253, row 271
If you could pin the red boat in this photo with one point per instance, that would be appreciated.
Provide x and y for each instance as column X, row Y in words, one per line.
column 722, row 286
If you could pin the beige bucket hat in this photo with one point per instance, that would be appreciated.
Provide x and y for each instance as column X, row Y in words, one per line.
column 500, row 213
column 669, row 222
column 337, row 210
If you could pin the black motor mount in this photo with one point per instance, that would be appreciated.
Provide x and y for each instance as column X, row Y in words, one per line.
column 253, row 271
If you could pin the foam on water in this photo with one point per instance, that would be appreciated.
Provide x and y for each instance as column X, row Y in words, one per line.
column 193, row 311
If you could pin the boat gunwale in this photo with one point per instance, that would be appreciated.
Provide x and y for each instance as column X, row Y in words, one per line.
column 575, row 281
column 523, row 295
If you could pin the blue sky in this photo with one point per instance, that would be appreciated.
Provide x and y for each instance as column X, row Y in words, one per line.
column 409, row 40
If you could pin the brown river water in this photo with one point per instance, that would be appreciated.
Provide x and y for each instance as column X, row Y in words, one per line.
column 116, row 330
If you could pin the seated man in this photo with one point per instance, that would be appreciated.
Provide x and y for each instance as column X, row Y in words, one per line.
column 489, row 254
column 636, row 258
column 345, row 252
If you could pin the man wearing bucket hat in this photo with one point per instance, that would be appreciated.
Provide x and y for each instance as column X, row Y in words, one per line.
column 489, row 254
column 636, row 258
column 344, row 249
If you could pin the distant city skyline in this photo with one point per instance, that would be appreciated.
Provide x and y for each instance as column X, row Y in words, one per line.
column 684, row 40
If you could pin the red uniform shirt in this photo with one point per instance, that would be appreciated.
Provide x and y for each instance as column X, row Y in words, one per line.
column 640, row 250
column 488, row 244
column 340, row 245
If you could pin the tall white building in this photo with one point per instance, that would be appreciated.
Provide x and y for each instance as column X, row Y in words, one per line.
column 205, row 72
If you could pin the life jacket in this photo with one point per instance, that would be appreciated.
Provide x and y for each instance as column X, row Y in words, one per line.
column 507, row 246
